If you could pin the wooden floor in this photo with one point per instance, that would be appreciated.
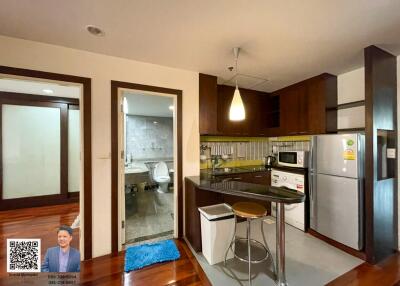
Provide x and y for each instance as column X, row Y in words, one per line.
column 386, row 273
column 109, row 270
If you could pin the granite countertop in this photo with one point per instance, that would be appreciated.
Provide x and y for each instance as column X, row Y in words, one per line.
column 248, row 190
column 248, row 169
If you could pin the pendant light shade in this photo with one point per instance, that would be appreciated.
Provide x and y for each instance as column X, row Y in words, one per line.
column 236, row 111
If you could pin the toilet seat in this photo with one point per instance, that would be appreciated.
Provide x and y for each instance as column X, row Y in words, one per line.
column 161, row 170
column 162, row 179
column 161, row 176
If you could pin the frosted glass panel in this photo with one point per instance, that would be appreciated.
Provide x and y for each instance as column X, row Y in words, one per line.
column 74, row 163
column 31, row 151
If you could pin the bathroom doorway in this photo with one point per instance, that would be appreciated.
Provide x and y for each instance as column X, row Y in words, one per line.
column 148, row 166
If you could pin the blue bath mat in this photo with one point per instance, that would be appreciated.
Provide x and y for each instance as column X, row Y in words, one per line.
column 139, row 256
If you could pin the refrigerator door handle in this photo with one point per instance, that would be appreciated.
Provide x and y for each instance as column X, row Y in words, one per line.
column 311, row 195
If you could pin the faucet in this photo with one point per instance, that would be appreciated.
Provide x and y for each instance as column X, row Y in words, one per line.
column 215, row 161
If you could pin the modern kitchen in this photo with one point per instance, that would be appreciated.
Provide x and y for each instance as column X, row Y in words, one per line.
column 298, row 163
column 268, row 158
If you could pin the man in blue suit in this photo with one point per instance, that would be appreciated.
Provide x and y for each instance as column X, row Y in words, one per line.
column 62, row 258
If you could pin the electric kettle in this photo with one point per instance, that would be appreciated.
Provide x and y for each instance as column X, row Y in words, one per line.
column 269, row 161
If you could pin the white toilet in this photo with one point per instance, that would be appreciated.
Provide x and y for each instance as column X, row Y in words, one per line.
column 161, row 177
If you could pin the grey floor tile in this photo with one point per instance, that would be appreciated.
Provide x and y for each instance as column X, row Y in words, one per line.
column 309, row 261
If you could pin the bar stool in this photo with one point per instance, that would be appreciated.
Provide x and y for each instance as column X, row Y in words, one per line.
column 249, row 211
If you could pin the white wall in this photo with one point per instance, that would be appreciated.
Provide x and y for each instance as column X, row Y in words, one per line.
column 351, row 87
column 102, row 69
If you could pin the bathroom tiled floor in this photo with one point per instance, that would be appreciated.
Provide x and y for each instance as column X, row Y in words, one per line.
column 149, row 216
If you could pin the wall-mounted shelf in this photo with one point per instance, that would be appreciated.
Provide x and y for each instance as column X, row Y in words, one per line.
column 348, row 105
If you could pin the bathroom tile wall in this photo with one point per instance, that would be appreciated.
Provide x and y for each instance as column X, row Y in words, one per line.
column 149, row 137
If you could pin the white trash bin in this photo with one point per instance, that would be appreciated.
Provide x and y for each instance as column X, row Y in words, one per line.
column 217, row 227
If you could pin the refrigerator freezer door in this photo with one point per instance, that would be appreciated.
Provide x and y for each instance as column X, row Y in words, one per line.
column 336, row 210
column 337, row 155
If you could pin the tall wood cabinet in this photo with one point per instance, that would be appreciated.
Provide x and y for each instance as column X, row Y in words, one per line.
column 208, row 98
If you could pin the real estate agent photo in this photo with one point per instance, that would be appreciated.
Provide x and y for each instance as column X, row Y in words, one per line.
column 62, row 258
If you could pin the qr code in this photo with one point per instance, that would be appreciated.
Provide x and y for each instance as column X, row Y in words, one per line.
column 23, row 255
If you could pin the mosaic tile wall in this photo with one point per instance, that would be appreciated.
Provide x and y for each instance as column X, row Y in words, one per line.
column 149, row 137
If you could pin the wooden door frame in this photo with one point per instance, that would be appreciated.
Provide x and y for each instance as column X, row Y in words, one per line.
column 115, row 86
column 87, row 140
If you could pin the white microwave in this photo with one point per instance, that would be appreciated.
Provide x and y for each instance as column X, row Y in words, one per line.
column 297, row 159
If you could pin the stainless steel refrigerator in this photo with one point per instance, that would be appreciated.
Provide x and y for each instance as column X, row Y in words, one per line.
column 336, row 179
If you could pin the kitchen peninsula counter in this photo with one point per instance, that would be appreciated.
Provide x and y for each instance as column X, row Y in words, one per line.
column 205, row 190
column 246, row 190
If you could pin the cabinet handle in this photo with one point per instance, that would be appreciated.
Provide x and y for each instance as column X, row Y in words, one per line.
column 237, row 178
column 258, row 176
column 303, row 132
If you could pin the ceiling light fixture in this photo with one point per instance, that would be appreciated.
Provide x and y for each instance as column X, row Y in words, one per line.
column 96, row 31
column 48, row 91
column 236, row 111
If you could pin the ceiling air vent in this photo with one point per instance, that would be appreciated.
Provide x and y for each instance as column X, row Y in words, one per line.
column 247, row 81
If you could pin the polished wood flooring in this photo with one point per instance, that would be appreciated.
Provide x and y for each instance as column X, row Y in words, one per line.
column 109, row 270
column 386, row 273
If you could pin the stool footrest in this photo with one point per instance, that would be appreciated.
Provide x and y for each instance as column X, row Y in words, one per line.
column 253, row 243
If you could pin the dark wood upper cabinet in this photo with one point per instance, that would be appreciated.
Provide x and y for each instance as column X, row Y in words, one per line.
column 208, row 98
column 307, row 107
column 293, row 112
column 322, row 104
column 251, row 126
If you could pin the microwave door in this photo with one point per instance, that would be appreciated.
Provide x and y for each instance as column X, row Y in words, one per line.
column 289, row 158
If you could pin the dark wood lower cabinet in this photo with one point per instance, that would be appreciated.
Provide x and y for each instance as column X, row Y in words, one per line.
column 195, row 198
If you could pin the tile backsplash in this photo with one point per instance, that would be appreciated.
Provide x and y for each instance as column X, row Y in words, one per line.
column 149, row 137
column 239, row 151
column 249, row 151
column 276, row 146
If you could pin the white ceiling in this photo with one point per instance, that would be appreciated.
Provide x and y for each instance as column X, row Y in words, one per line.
column 282, row 41
column 39, row 87
column 148, row 105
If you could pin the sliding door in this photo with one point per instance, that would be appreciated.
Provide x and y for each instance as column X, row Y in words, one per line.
column 39, row 150
column 31, row 148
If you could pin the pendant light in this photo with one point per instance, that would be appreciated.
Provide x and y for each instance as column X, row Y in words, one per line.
column 236, row 111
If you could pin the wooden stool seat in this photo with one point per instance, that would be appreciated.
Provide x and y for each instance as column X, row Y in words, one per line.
column 249, row 210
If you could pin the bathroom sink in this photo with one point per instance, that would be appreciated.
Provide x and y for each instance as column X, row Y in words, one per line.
column 137, row 168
